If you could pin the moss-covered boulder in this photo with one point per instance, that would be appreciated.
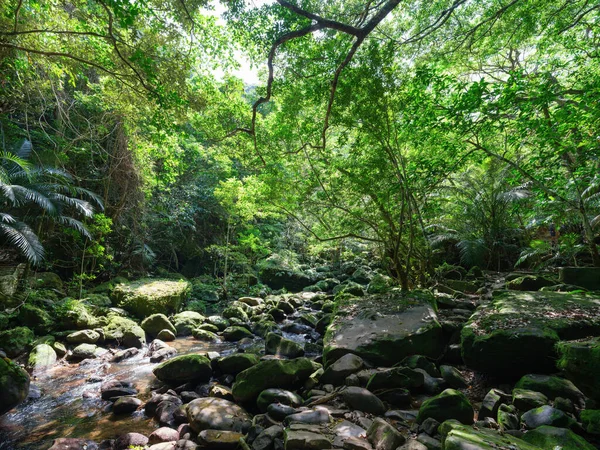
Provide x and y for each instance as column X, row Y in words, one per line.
column 46, row 280
column 108, row 286
column 155, row 323
column 280, row 346
column 590, row 420
column 462, row 437
column 285, row 374
column 281, row 271
column 205, row 335
column 187, row 321
column 124, row 331
column 235, row 333
column 235, row 312
column 16, row 341
column 41, row 358
column 74, row 314
column 552, row 387
column 211, row 413
column 148, row 296
column 580, row 362
column 450, row 404
column 548, row 437
column 379, row 284
column 530, row 283
column 36, row 318
column 9, row 284
column 384, row 329
column 237, row 362
column 546, row 415
column 181, row 369
column 586, row 277
column 517, row 332
column 14, row 385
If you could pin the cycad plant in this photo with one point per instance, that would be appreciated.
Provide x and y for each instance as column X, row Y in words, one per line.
column 33, row 195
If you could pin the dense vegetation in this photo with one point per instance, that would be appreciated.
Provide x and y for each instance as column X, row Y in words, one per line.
column 419, row 134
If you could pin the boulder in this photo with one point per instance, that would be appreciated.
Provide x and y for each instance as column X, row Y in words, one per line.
column 396, row 377
column 251, row 301
column 517, row 332
column 235, row 312
column 235, row 333
column 552, row 387
column 151, row 296
column 41, row 358
column 124, row 331
column 546, row 415
column 384, row 436
column 130, row 440
column 163, row 434
column 83, row 351
column 548, row 437
column 453, row 377
column 284, row 374
column 46, row 280
column 277, row 273
column 337, row 372
column 182, row 369
column 16, row 341
column 586, row 277
column 155, row 323
column 590, row 420
column 384, row 329
column 304, row 440
column 220, row 322
column 580, row 362
column 217, row 414
column 83, row 337
column 462, row 437
column 72, row 444
column 35, row 318
column 237, row 362
column 14, row 385
column 216, row 439
column 363, row 400
column 187, row 321
column 530, row 283
column 525, row 399
column 166, row 335
column 315, row 416
column 126, row 405
column 206, row 336
column 275, row 395
column 450, row 404
column 275, row 344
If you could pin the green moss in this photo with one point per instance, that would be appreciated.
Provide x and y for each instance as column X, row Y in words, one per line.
column 150, row 296
column 14, row 385
column 580, row 361
column 461, row 437
column 450, row 404
column 16, row 341
column 590, row 419
column 35, row 318
column 547, row 437
column 182, row 369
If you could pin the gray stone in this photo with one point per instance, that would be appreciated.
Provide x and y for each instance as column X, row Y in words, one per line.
column 217, row 414
column 363, row 400
column 315, row 417
column 546, row 415
column 163, row 434
column 305, row 440
column 219, row 439
column 453, row 377
column 275, row 395
column 125, row 405
column 166, row 335
column 384, row 436
column 280, row 346
column 524, row 399
column 83, row 337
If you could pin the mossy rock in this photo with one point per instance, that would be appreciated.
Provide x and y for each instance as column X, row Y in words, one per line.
column 155, row 323
column 238, row 362
column 205, row 336
column 590, row 420
column 547, row 437
column 73, row 314
column 41, row 358
column 281, row 271
column 235, row 312
column 98, row 300
column 46, row 280
column 285, row 374
column 450, row 404
column 183, row 369
column 530, row 283
column 586, row 277
column 148, row 296
column 580, row 362
column 108, row 286
column 551, row 387
column 35, row 318
column 124, row 331
column 517, row 332
column 16, row 340
column 379, row 284
column 384, row 329
column 14, row 385
column 236, row 333
column 276, row 344
column 187, row 321
column 264, row 327
column 462, row 437
column 349, row 288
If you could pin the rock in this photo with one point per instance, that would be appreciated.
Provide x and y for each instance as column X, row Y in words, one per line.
column 124, row 331
column 160, row 351
column 218, row 391
column 115, row 389
column 396, row 377
column 279, row 411
column 345, row 429
column 529, row 283
column 235, row 312
column 278, row 273
column 548, row 437
column 429, row 426
column 187, row 321
column 252, row 301
column 205, row 336
column 517, row 332
column 507, row 417
column 83, row 351
column 16, row 340
column 35, row 318
column 130, row 440
column 337, row 372
column 491, row 402
column 155, row 323
column 552, row 387
column 413, row 445
column 166, row 335
column 236, row 363
column 217, row 414
column 41, row 358
column 264, row 441
column 72, row 444
column 163, row 434
column 379, row 284
column 363, row 400
column 278, row 345
column 384, row 436
column 524, row 399
column 151, row 406
column 14, row 385
column 453, row 377
column 387, row 329
column 216, row 439
column 546, row 415
column 83, row 337
column 590, row 420
column 125, row 405
column 429, row 442
column 421, row 362
column 60, row 349
column 580, row 361
column 356, row 443
column 462, row 437
column 275, row 395
column 450, row 404
column 182, row 369
column 235, row 333
column 586, row 277
column 284, row 374
column 151, row 296
column 304, row 440
column 220, row 322
column 315, row 417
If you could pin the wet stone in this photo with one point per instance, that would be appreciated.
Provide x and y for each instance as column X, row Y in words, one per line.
column 125, row 405
column 163, row 434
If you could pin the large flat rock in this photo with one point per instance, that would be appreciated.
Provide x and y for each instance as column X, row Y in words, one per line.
column 385, row 328
column 148, row 296
column 517, row 332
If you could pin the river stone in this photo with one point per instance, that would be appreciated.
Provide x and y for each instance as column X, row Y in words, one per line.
column 315, row 417
column 337, row 372
column 462, row 437
column 450, row 404
column 125, row 405
column 507, row 418
column 491, row 402
column 163, row 434
column 72, row 444
column 83, row 351
column 264, row 441
column 220, row 322
column 363, row 400
column 41, row 358
column 547, row 437
column 304, row 440
column 275, row 395
column 385, row 328
column 14, row 385
column 384, row 436
column 552, row 387
column 236, row 363
column 166, row 335
column 124, row 331
column 217, row 414
column 236, row 333
column 155, row 323
column 421, row 362
column 279, row 411
column 16, row 340
column 205, row 336
column 546, row 415
column 580, row 361
column 395, row 377
column 235, row 312
column 280, row 346
column 182, row 369
column 517, row 332
column 252, row 301
column 148, row 296
column 219, row 391
column 525, row 399
column 271, row 374
column 130, row 440
column 453, row 377
column 83, row 337
column 217, row 439
column 115, row 388
column 185, row 322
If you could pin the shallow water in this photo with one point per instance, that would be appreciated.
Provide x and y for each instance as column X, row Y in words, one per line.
column 70, row 404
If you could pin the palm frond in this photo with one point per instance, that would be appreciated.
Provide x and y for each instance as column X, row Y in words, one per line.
column 23, row 150
column 592, row 190
column 21, row 163
column 75, row 225
column 472, row 251
column 24, row 194
column 7, row 218
column 81, row 206
column 8, row 192
column 20, row 236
